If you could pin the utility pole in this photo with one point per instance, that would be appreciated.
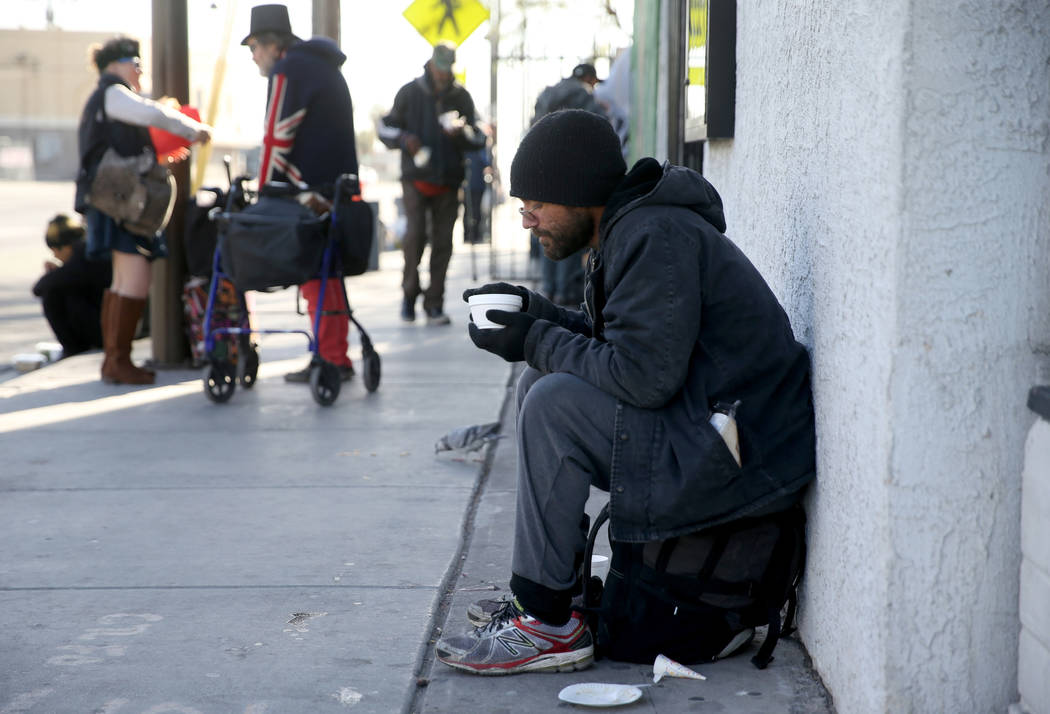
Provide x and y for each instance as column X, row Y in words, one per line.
column 494, row 20
column 326, row 19
column 170, row 74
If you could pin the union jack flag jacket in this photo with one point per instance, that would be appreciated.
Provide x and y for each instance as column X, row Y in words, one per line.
column 309, row 132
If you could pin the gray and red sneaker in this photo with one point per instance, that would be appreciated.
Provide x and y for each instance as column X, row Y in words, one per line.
column 514, row 641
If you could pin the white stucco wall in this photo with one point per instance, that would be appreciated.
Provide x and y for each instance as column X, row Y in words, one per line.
column 1033, row 677
column 890, row 175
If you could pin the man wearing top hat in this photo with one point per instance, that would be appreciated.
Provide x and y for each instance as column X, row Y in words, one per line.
column 433, row 123
column 308, row 140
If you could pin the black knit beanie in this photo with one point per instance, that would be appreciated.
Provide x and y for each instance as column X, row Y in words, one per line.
column 570, row 157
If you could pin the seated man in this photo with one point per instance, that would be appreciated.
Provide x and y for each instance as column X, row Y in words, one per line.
column 618, row 396
column 72, row 288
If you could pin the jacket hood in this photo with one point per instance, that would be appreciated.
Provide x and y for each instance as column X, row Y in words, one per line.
column 650, row 184
column 321, row 47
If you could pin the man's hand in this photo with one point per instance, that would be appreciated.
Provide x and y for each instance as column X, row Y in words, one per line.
column 509, row 342
column 411, row 143
column 500, row 289
column 179, row 154
column 315, row 202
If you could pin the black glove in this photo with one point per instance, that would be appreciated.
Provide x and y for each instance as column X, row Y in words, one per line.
column 505, row 288
column 508, row 342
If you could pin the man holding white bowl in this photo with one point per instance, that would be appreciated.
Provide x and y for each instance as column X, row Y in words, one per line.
column 618, row 395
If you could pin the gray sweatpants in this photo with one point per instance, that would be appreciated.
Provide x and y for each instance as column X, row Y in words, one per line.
column 564, row 432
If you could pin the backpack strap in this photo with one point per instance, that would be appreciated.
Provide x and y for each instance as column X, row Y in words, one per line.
column 602, row 517
column 789, row 618
column 790, row 525
column 664, row 556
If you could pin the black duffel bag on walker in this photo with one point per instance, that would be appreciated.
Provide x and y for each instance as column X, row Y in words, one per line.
column 354, row 224
column 275, row 242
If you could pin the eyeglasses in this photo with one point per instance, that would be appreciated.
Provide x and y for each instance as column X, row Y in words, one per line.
column 530, row 212
column 133, row 60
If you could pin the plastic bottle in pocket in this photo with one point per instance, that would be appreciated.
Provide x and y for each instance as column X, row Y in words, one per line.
column 723, row 419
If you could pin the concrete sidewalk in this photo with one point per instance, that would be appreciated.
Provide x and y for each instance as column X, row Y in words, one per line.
column 165, row 554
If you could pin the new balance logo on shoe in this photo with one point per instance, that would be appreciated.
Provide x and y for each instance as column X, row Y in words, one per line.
column 513, row 636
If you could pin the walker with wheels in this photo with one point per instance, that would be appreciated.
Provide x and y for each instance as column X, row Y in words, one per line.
column 275, row 243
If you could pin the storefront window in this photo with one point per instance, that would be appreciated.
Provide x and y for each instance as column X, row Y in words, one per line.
column 696, row 64
column 710, row 69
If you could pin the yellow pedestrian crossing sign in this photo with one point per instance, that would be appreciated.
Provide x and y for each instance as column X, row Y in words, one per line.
column 451, row 20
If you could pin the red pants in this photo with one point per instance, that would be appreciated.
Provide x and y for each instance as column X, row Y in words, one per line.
column 334, row 330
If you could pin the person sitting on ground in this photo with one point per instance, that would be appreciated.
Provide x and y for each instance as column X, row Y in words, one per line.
column 71, row 288
column 618, row 395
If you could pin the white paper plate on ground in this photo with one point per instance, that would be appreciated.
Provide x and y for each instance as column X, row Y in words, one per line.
column 599, row 694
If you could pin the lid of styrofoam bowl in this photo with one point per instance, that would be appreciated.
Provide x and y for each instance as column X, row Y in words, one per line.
column 495, row 299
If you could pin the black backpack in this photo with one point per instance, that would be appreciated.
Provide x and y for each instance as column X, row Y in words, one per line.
column 688, row 597
column 354, row 222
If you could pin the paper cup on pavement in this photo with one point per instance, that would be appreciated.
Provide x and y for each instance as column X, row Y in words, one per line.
column 664, row 666
column 599, row 565
column 480, row 304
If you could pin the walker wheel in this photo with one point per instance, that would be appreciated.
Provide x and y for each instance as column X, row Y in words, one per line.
column 248, row 365
column 371, row 370
column 220, row 381
column 325, row 383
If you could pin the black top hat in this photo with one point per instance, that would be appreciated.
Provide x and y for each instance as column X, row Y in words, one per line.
column 270, row 18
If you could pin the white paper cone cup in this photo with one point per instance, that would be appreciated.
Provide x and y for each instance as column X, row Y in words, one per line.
column 666, row 667
column 599, row 565
column 481, row 304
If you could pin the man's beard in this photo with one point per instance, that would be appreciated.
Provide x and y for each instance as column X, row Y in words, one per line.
column 569, row 237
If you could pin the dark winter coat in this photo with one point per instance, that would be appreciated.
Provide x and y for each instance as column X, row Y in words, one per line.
column 569, row 93
column 417, row 108
column 309, row 131
column 78, row 275
column 683, row 321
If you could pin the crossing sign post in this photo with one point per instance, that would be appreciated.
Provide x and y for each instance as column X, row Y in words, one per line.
column 451, row 20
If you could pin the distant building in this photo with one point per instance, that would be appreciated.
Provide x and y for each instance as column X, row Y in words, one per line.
column 47, row 75
column 45, row 78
